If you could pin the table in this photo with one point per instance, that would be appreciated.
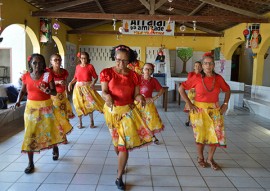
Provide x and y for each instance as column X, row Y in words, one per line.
column 230, row 110
column 164, row 97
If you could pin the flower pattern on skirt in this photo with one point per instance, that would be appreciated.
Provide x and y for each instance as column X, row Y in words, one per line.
column 127, row 128
column 208, row 124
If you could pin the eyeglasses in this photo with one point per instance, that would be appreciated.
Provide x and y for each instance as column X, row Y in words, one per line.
column 123, row 61
column 210, row 63
column 57, row 59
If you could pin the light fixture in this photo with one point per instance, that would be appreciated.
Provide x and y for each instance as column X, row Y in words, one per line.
column 170, row 1
column 194, row 25
column 114, row 24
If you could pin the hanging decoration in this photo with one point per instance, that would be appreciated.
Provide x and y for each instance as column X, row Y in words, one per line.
column 56, row 26
column 182, row 28
column 194, row 25
column 121, row 29
column 114, row 24
column 45, row 30
column 252, row 36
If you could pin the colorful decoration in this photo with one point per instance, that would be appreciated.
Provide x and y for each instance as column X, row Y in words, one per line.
column 45, row 30
column 252, row 36
column 56, row 26
column 246, row 32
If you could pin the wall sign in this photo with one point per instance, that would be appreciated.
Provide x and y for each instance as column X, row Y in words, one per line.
column 146, row 27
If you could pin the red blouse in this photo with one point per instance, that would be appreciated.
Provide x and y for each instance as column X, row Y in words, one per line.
column 148, row 86
column 59, row 77
column 121, row 87
column 204, row 85
column 86, row 73
column 34, row 93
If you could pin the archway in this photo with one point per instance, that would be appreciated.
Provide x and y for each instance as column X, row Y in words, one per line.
column 22, row 42
column 60, row 49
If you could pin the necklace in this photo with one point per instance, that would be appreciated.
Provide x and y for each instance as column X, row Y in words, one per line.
column 212, row 87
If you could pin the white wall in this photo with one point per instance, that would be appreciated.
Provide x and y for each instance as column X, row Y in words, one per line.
column 14, row 38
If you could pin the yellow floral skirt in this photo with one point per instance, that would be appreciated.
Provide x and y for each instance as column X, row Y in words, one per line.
column 151, row 117
column 61, row 102
column 127, row 128
column 191, row 96
column 208, row 124
column 86, row 100
column 44, row 128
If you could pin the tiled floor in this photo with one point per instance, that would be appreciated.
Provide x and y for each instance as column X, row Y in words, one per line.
column 89, row 163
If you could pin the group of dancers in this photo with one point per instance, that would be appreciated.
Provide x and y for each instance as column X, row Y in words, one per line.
column 127, row 102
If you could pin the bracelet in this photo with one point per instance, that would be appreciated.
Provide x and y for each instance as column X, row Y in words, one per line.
column 225, row 103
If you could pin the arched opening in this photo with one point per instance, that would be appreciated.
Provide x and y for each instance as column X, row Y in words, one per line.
column 21, row 41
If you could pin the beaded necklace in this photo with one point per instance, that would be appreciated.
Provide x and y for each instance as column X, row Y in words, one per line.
column 212, row 87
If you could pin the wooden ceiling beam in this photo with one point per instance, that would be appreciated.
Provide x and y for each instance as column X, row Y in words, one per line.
column 145, row 3
column 99, row 6
column 261, row 2
column 197, row 9
column 160, row 3
column 96, row 24
column 178, row 18
column 203, row 29
column 87, row 32
column 67, row 5
column 231, row 8
column 152, row 7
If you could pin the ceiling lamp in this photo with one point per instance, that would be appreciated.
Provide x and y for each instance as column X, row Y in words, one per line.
column 170, row 1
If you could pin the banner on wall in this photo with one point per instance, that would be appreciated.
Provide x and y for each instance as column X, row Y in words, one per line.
column 146, row 27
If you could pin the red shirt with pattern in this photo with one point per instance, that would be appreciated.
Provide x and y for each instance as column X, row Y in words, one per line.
column 33, row 92
column 121, row 87
column 86, row 73
column 59, row 77
column 203, row 87
column 148, row 86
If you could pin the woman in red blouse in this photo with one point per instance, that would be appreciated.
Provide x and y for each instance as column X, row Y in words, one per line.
column 43, row 128
column 149, row 112
column 191, row 92
column 60, row 101
column 85, row 98
column 120, row 87
column 206, row 115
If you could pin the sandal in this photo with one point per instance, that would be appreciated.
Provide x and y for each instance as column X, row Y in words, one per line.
column 55, row 153
column 92, row 125
column 213, row 164
column 80, row 126
column 156, row 141
column 29, row 169
column 201, row 162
